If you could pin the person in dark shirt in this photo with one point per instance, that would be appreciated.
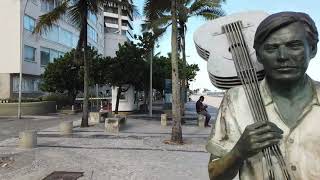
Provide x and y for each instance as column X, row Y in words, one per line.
column 202, row 109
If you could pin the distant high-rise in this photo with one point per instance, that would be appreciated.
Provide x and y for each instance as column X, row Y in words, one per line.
column 118, row 26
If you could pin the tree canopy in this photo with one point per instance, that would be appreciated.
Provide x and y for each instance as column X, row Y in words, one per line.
column 64, row 75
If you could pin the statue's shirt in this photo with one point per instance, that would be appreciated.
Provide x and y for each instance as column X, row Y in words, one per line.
column 300, row 145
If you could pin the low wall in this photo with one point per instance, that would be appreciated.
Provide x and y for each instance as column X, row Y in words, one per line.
column 31, row 108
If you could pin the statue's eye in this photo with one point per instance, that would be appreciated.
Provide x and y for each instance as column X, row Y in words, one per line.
column 270, row 47
column 295, row 44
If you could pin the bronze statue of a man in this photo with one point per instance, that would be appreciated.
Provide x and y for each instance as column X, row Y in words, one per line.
column 284, row 43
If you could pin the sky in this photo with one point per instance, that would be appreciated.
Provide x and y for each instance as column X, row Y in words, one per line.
column 202, row 80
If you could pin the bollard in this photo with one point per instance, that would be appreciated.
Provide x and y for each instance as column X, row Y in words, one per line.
column 201, row 120
column 163, row 119
column 66, row 127
column 28, row 139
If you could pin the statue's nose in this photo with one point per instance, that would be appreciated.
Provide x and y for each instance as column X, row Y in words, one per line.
column 282, row 53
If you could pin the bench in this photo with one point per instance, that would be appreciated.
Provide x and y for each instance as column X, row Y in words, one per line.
column 113, row 124
column 98, row 117
column 201, row 119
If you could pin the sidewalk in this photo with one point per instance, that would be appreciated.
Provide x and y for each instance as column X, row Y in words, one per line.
column 136, row 153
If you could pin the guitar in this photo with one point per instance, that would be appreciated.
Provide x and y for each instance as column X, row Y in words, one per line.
column 227, row 44
column 212, row 45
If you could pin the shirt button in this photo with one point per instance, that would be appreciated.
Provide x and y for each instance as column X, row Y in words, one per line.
column 291, row 140
column 293, row 168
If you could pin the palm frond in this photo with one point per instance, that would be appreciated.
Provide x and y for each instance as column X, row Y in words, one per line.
column 185, row 2
column 159, row 32
column 182, row 13
column 75, row 14
column 159, row 23
column 152, row 9
column 199, row 4
column 46, row 21
column 210, row 13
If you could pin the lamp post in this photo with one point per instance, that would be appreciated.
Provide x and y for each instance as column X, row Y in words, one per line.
column 151, row 92
column 21, row 55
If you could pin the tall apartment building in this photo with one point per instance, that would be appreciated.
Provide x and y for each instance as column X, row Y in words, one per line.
column 118, row 29
column 118, row 26
column 38, row 50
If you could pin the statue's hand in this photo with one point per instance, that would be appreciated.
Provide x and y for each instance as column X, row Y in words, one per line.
column 256, row 137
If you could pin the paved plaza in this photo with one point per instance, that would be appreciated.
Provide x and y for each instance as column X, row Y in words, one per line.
column 136, row 153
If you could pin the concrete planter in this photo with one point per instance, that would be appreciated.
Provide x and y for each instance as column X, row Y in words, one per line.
column 28, row 139
column 164, row 120
column 29, row 108
column 66, row 127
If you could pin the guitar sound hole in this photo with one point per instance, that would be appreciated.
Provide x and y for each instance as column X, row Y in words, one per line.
column 234, row 46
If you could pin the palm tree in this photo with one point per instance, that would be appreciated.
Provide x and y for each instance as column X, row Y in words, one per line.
column 158, row 16
column 176, row 112
column 77, row 13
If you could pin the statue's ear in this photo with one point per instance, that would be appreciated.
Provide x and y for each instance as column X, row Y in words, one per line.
column 313, row 51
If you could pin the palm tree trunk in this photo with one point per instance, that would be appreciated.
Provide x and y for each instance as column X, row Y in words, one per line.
column 84, row 122
column 176, row 135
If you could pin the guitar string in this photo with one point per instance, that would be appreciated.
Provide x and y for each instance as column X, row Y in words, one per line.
column 247, row 88
column 274, row 149
column 252, row 78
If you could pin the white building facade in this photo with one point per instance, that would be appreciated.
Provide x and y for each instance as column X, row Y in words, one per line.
column 112, row 25
column 38, row 50
column 118, row 29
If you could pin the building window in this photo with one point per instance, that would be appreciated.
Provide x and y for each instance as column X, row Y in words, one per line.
column 61, row 54
column 124, row 12
column 92, row 34
column 53, row 55
column 62, row 36
column 28, row 23
column 44, row 56
column 92, row 17
column 53, row 34
column 28, row 85
column 29, row 53
column 112, row 30
column 75, row 40
column 65, row 37
column 49, row 55
column 48, row 5
column 112, row 10
column 111, row 20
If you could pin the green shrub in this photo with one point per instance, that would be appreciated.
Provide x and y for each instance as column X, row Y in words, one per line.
column 61, row 99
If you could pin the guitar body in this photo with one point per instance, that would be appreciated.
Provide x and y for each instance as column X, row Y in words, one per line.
column 212, row 45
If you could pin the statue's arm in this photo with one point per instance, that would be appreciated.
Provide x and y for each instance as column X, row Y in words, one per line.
column 253, row 140
column 224, row 168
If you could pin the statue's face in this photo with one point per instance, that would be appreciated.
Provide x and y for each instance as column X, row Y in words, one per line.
column 286, row 53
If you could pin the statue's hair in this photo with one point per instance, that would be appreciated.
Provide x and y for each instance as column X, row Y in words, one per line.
column 278, row 20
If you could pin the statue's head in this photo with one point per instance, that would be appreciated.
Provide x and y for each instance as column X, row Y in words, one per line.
column 284, row 43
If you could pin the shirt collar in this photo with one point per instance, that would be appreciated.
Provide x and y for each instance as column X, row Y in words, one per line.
column 267, row 97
